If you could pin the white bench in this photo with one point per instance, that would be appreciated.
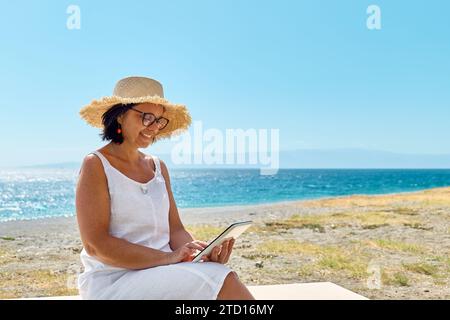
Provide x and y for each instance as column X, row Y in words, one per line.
column 294, row 291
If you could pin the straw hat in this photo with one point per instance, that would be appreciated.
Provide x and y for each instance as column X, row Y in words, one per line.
column 139, row 90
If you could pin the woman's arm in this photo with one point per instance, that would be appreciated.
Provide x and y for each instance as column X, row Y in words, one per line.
column 178, row 234
column 180, row 238
column 93, row 215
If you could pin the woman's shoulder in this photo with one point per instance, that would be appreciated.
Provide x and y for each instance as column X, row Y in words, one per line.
column 92, row 164
column 91, row 159
column 92, row 175
column 155, row 158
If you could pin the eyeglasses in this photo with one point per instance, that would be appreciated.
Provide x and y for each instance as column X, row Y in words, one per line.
column 149, row 118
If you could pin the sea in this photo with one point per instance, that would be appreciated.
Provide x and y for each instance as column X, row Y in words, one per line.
column 37, row 193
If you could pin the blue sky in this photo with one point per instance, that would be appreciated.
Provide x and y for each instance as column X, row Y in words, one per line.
column 310, row 68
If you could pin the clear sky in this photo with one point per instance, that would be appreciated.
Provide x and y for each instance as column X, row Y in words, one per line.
column 310, row 68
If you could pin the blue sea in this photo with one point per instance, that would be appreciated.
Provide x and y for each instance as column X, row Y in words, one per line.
column 40, row 193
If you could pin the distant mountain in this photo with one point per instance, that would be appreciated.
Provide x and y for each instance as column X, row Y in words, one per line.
column 360, row 158
column 315, row 158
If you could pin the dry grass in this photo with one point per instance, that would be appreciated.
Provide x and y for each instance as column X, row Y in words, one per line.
column 422, row 268
column 7, row 238
column 362, row 219
column 34, row 283
column 396, row 279
column 6, row 256
column 351, row 261
column 408, row 274
column 396, row 246
column 432, row 197
column 204, row 232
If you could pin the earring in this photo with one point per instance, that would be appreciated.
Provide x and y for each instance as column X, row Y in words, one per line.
column 119, row 130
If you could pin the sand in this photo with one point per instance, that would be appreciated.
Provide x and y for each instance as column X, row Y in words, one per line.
column 382, row 247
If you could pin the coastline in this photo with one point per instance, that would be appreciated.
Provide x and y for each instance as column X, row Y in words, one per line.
column 188, row 214
column 337, row 239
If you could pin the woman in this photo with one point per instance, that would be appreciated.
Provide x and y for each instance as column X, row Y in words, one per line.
column 135, row 245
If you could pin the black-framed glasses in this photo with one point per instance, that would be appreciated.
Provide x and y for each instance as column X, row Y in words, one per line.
column 149, row 118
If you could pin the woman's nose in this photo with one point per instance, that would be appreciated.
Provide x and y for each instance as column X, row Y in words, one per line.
column 153, row 126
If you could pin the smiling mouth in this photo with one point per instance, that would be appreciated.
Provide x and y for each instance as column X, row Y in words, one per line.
column 146, row 135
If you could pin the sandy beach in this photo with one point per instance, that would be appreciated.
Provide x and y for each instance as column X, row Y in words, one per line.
column 383, row 247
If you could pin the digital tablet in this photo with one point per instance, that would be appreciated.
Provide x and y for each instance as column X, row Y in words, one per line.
column 233, row 231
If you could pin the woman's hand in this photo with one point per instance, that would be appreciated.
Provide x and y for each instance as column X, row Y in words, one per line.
column 186, row 252
column 221, row 254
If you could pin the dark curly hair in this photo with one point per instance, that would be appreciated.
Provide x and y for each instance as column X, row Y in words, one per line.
column 110, row 124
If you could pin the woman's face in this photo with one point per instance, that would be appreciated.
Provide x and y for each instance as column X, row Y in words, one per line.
column 134, row 132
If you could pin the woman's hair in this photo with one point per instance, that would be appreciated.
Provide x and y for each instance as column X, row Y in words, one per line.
column 110, row 124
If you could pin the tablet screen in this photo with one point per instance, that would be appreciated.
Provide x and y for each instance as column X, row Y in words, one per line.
column 233, row 231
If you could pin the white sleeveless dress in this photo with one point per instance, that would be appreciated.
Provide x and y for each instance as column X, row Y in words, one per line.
column 140, row 214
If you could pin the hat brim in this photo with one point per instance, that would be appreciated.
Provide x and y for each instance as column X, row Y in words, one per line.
column 178, row 115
